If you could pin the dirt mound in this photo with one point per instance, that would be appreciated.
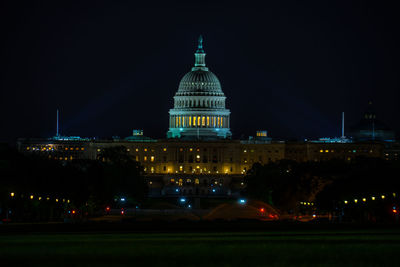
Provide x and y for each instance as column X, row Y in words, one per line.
column 251, row 210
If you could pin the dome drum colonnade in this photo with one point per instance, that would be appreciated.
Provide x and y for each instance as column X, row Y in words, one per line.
column 199, row 104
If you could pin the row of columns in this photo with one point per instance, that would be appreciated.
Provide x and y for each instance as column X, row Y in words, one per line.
column 199, row 103
column 177, row 121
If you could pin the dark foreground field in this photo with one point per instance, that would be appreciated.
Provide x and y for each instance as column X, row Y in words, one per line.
column 244, row 247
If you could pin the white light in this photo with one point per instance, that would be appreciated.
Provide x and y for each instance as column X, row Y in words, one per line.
column 242, row 201
column 122, row 199
column 183, row 200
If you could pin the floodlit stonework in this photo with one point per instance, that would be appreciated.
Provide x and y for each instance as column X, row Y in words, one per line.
column 199, row 104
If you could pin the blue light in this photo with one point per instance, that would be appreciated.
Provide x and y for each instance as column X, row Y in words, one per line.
column 213, row 190
column 242, row 201
column 189, row 206
column 181, row 129
column 122, row 199
column 177, row 190
column 183, row 200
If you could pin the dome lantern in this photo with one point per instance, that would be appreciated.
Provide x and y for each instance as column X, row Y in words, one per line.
column 200, row 57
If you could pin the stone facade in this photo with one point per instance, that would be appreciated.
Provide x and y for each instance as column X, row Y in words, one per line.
column 200, row 168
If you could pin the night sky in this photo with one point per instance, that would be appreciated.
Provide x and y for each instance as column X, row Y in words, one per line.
column 290, row 67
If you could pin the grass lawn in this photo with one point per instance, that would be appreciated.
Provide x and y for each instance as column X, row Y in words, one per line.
column 350, row 248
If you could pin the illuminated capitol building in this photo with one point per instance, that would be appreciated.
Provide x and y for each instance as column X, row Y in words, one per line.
column 199, row 158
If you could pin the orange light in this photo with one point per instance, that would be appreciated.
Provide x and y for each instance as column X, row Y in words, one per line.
column 262, row 209
column 73, row 212
column 394, row 211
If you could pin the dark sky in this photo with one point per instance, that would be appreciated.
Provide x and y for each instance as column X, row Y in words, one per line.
column 289, row 67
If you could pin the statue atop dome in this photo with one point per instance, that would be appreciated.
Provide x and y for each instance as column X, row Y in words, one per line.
column 200, row 45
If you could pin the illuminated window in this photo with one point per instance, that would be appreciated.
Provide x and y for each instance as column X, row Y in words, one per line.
column 172, row 180
column 137, row 149
column 82, row 148
column 180, row 182
column 198, row 121
column 152, row 158
column 27, row 148
column 188, row 180
column 203, row 121
column 152, row 169
column 194, row 121
column 197, row 181
column 145, row 149
column 208, row 121
column 164, row 149
column 176, row 121
column 190, row 121
column 321, row 151
column 179, row 124
column 66, row 148
column 219, row 121
column 145, row 158
column 190, row 149
column 222, row 121
column 326, row 151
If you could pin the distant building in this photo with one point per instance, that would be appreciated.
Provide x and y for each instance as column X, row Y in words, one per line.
column 199, row 158
column 371, row 129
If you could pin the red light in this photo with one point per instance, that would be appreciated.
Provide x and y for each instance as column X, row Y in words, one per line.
column 262, row 209
column 107, row 208
column 122, row 211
